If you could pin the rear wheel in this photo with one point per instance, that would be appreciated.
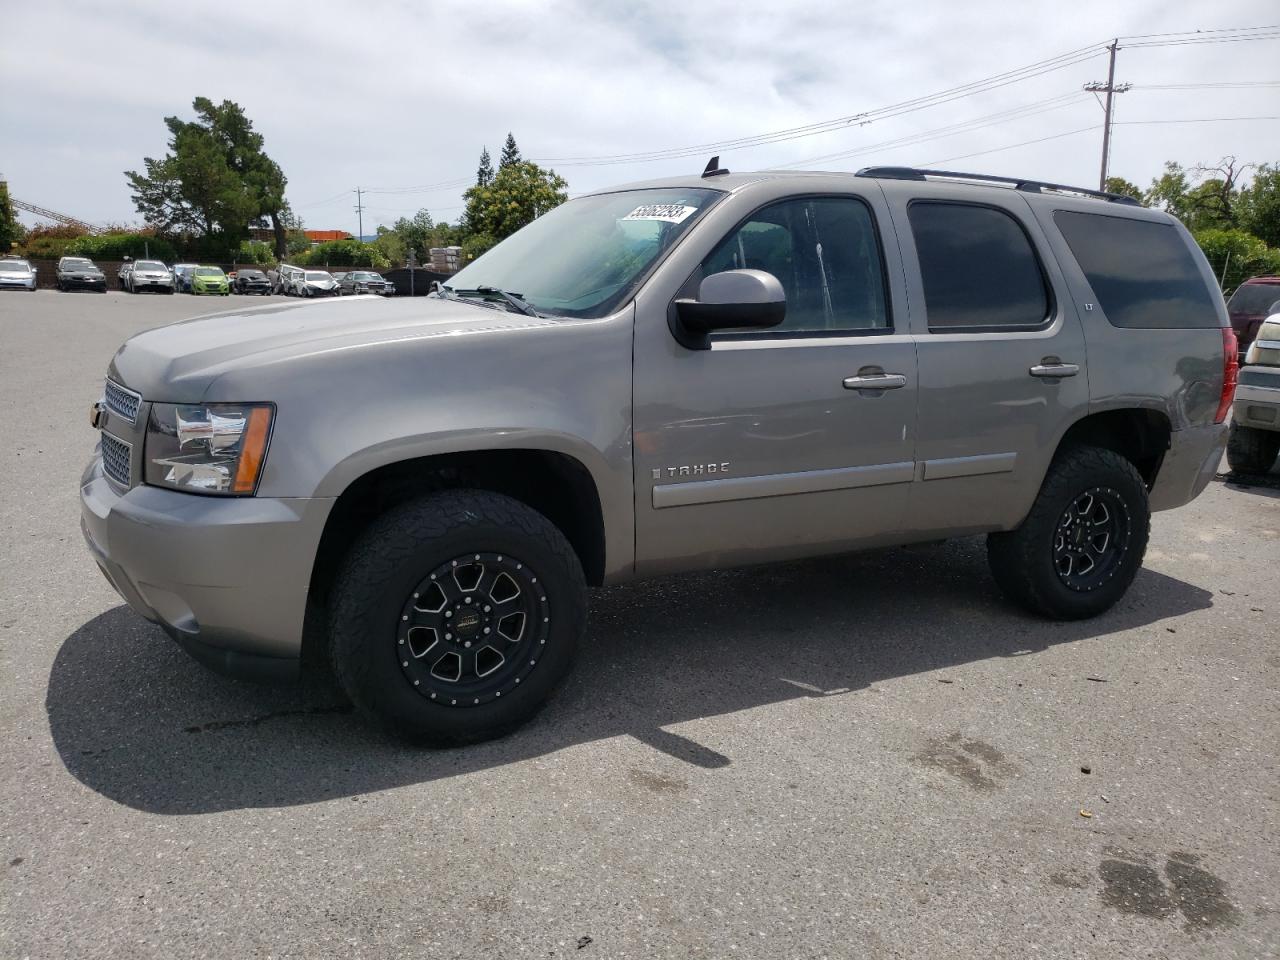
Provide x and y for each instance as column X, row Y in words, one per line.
column 455, row 616
column 1252, row 451
column 1083, row 541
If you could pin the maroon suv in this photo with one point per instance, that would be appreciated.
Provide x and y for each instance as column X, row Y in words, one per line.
column 1249, row 306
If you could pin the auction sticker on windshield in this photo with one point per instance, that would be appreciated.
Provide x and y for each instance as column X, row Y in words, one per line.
column 667, row 212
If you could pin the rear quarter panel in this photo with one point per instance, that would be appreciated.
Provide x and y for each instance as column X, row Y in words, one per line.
column 1177, row 372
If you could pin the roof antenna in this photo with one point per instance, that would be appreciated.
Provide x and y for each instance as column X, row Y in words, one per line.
column 714, row 169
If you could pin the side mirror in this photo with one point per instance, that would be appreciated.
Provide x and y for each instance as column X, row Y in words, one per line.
column 732, row 300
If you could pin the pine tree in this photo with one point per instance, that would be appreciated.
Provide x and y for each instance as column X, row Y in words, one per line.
column 510, row 153
column 484, row 175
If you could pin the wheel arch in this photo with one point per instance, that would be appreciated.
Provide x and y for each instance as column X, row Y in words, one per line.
column 556, row 484
column 1139, row 434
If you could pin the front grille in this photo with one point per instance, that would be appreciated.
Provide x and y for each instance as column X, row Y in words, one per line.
column 124, row 403
column 116, row 456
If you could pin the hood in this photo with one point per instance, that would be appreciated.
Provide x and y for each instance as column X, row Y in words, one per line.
column 81, row 271
column 179, row 362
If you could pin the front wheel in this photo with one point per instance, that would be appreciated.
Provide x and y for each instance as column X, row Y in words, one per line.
column 455, row 616
column 1081, row 545
column 1252, row 451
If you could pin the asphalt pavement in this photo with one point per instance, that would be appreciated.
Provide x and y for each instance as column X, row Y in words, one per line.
column 872, row 756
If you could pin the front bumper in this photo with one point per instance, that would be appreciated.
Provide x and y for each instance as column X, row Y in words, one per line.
column 199, row 288
column 1257, row 402
column 226, row 578
column 1193, row 457
column 143, row 283
column 83, row 281
column 18, row 284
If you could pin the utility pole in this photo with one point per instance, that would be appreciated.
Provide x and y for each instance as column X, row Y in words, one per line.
column 360, row 212
column 1110, row 89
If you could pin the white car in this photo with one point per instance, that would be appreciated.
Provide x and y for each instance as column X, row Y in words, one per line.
column 314, row 283
column 149, row 275
column 17, row 275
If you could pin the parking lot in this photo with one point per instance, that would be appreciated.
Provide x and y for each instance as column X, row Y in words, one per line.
column 872, row 756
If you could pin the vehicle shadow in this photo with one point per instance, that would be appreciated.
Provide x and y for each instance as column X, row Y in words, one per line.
column 137, row 721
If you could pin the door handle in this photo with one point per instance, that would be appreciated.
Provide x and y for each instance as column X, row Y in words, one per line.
column 1051, row 368
column 875, row 381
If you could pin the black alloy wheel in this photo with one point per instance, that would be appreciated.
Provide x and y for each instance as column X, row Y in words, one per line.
column 1092, row 539
column 473, row 629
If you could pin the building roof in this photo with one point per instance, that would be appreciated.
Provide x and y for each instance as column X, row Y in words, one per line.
column 324, row 236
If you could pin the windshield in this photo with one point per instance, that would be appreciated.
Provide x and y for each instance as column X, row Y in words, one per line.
column 1254, row 298
column 317, row 275
column 209, row 272
column 150, row 265
column 13, row 266
column 585, row 257
column 251, row 275
column 77, row 264
column 365, row 276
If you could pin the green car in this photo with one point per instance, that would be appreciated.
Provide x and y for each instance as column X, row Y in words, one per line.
column 210, row 280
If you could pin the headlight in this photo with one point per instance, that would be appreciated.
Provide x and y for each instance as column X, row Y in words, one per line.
column 1265, row 349
column 207, row 448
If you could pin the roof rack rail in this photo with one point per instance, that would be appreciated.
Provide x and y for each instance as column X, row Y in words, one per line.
column 1027, row 186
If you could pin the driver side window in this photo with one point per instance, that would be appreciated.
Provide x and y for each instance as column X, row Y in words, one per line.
column 825, row 253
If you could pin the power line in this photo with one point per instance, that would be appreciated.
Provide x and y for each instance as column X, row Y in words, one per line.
column 1039, row 68
column 1010, row 146
column 1195, row 120
column 965, row 126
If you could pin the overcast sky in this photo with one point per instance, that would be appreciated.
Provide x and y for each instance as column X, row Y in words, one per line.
column 397, row 97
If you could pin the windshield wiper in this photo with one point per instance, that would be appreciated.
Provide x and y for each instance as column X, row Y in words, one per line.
column 513, row 300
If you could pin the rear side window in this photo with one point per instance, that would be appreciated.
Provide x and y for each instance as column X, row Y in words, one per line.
column 978, row 267
column 1141, row 272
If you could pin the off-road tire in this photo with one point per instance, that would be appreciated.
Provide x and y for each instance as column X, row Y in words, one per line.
column 1251, row 451
column 382, row 569
column 1022, row 560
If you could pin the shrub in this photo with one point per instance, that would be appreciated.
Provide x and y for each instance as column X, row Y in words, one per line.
column 1241, row 254
column 117, row 246
column 346, row 253
column 256, row 252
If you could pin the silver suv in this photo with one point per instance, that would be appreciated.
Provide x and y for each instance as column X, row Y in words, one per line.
column 678, row 375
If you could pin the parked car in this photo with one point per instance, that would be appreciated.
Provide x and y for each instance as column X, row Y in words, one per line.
column 337, row 278
column 16, row 274
column 79, row 273
column 1254, row 443
column 712, row 371
column 314, row 283
column 1248, row 308
column 182, row 276
column 149, row 275
column 362, row 281
column 251, row 281
column 209, row 280
column 286, row 279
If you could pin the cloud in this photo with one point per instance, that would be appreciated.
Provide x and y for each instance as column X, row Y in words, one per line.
column 389, row 95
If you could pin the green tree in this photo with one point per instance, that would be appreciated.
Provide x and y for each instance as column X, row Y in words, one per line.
column 10, row 230
column 1124, row 188
column 216, row 179
column 484, row 174
column 520, row 193
column 1258, row 206
column 1168, row 192
column 510, row 153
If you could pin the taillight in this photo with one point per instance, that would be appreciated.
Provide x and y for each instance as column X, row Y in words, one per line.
column 1230, row 372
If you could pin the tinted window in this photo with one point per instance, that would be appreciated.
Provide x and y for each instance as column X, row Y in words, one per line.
column 978, row 267
column 1141, row 272
column 825, row 253
column 1254, row 298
